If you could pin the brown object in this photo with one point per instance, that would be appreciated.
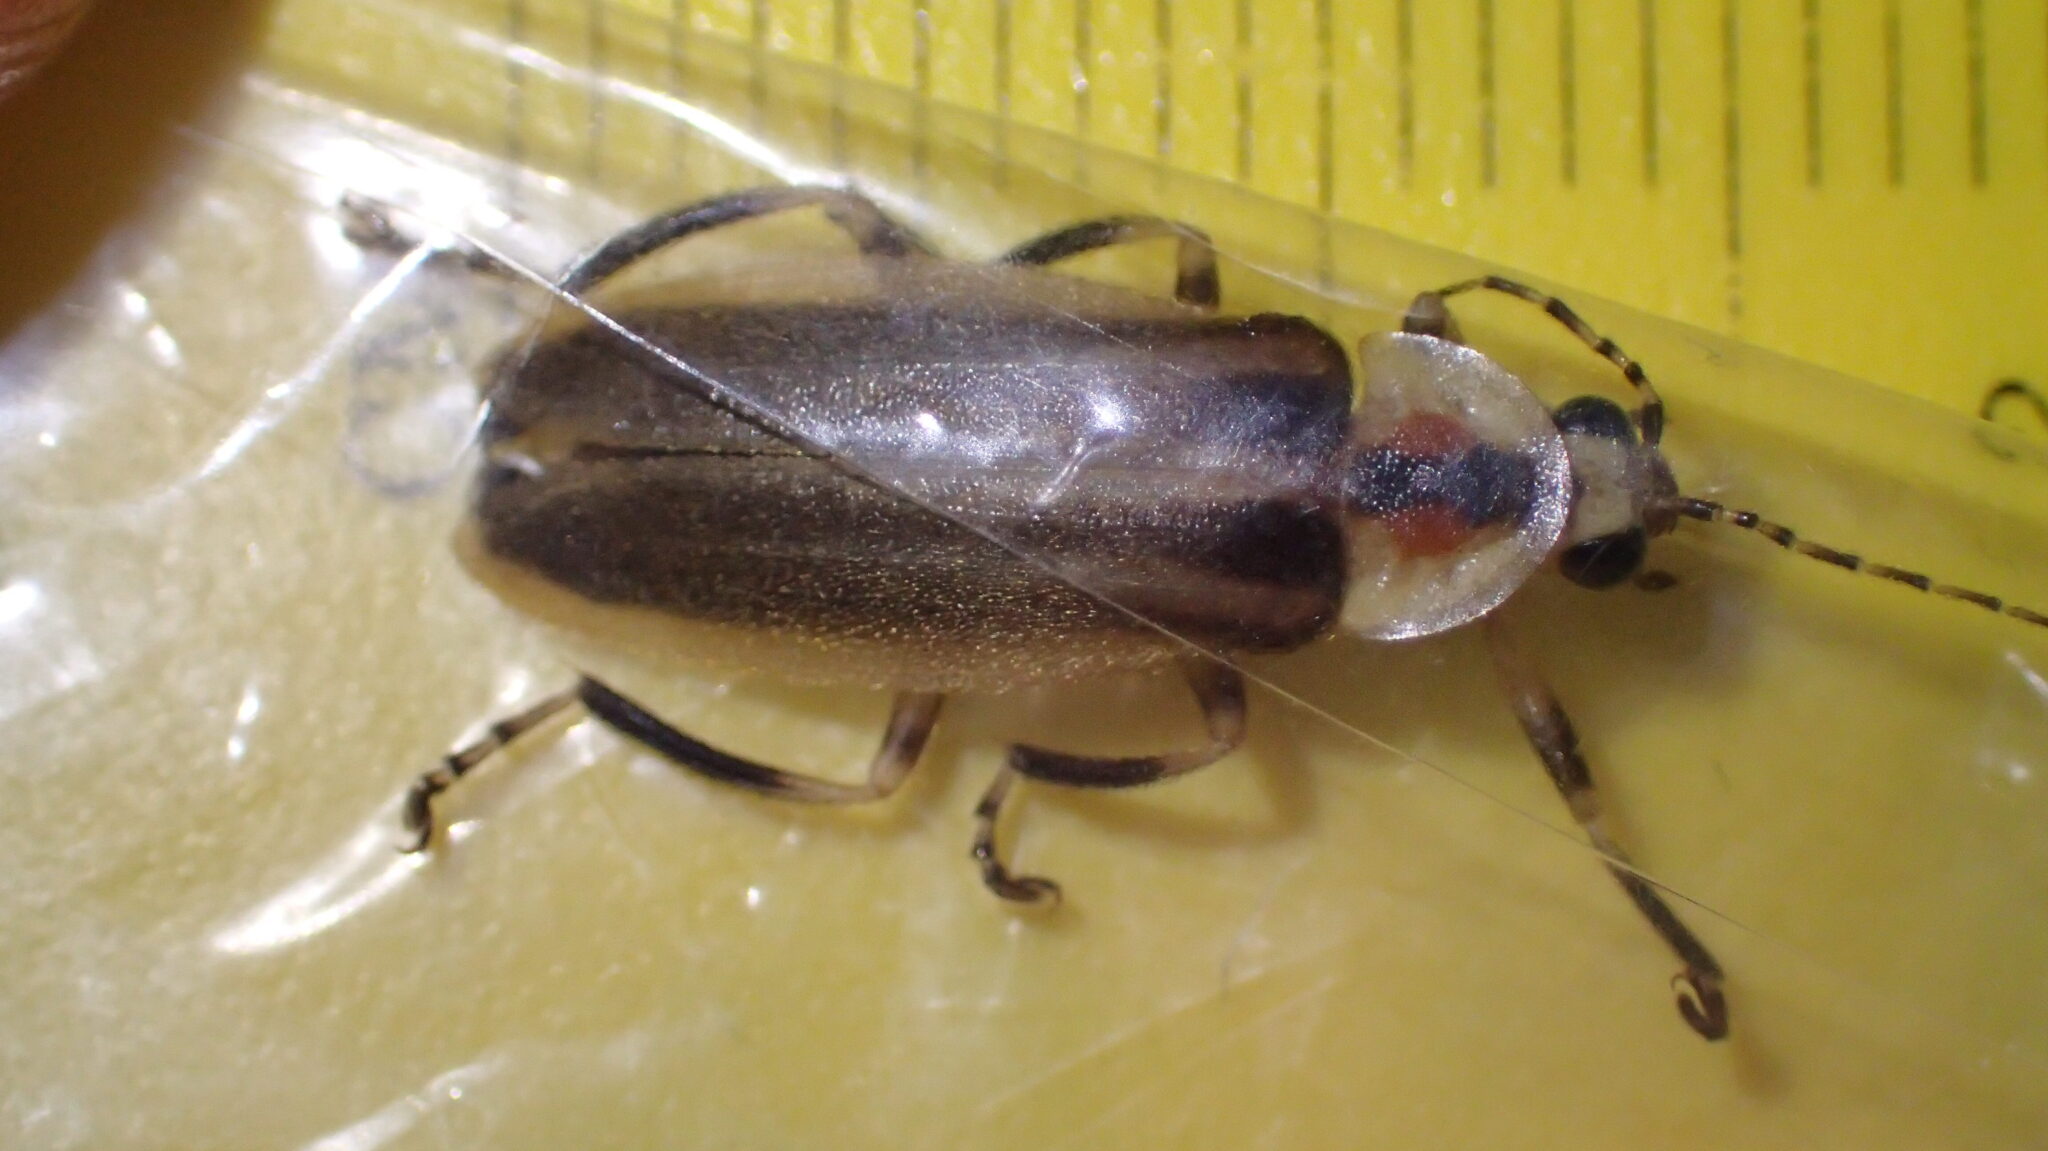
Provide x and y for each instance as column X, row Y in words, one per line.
column 30, row 33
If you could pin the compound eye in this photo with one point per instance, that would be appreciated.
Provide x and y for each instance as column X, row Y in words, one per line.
column 1603, row 561
column 1593, row 416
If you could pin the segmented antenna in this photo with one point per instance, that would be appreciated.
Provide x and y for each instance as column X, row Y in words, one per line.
column 1784, row 537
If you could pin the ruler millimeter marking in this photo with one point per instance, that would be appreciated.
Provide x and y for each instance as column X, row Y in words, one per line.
column 1806, row 176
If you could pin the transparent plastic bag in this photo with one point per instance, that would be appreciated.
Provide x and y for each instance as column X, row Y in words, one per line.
column 238, row 633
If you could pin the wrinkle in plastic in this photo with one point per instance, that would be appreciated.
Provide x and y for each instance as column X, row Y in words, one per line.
column 237, row 632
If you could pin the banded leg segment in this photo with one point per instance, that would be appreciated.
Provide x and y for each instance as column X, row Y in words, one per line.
column 370, row 225
column 1196, row 280
column 861, row 218
column 1219, row 692
column 418, row 809
column 1549, row 730
column 903, row 740
column 1429, row 316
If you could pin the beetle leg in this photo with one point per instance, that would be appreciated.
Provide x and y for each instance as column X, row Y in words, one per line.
column 1219, row 690
column 418, row 808
column 910, row 724
column 994, row 873
column 1549, row 731
column 1429, row 308
column 1196, row 280
column 1994, row 399
column 369, row 224
column 861, row 218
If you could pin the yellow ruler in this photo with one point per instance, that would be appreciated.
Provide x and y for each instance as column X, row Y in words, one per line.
column 1860, row 183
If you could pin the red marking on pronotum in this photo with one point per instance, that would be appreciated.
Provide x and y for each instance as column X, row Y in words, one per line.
column 1430, row 530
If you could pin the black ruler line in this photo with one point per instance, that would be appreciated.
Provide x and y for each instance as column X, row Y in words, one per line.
column 1162, row 108
column 1404, row 64
column 1894, row 97
column 1567, row 93
column 1084, row 68
column 1731, row 159
column 1489, row 126
column 1810, row 19
column 757, row 76
column 1646, row 71
column 1326, row 112
column 1004, row 77
column 598, row 49
column 1244, row 91
column 921, row 90
column 842, row 58
column 678, row 29
column 515, row 101
column 1973, row 68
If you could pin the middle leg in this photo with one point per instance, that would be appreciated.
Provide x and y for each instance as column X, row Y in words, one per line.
column 1219, row 691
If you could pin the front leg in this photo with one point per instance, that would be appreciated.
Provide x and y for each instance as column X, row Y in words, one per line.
column 1549, row 730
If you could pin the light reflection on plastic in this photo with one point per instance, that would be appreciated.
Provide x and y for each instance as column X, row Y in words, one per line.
column 163, row 347
column 1110, row 415
column 246, row 711
column 17, row 600
column 514, row 686
column 401, row 1115
column 267, row 414
column 430, row 191
column 2035, row 681
column 741, row 142
column 364, row 870
column 369, row 865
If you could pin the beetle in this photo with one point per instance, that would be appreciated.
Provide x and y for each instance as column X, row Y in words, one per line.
column 907, row 471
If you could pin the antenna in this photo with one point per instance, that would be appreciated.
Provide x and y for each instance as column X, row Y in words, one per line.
column 1784, row 537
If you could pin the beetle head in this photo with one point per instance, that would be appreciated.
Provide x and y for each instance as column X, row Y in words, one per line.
column 1621, row 490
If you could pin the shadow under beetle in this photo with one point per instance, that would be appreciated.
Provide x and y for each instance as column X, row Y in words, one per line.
column 898, row 469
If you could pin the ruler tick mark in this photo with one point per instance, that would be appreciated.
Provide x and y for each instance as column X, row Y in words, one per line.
column 1567, row 92
column 1244, row 91
column 1894, row 97
column 1326, row 114
column 1404, row 64
column 1162, row 108
column 1489, row 135
column 1731, row 159
column 757, row 75
column 1004, row 68
column 1084, row 47
column 921, row 85
column 1980, row 121
column 842, row 54
column 1646, row 51
column 678, row 27
column 515, row 100
column 1810, row 19
column 598, row 51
